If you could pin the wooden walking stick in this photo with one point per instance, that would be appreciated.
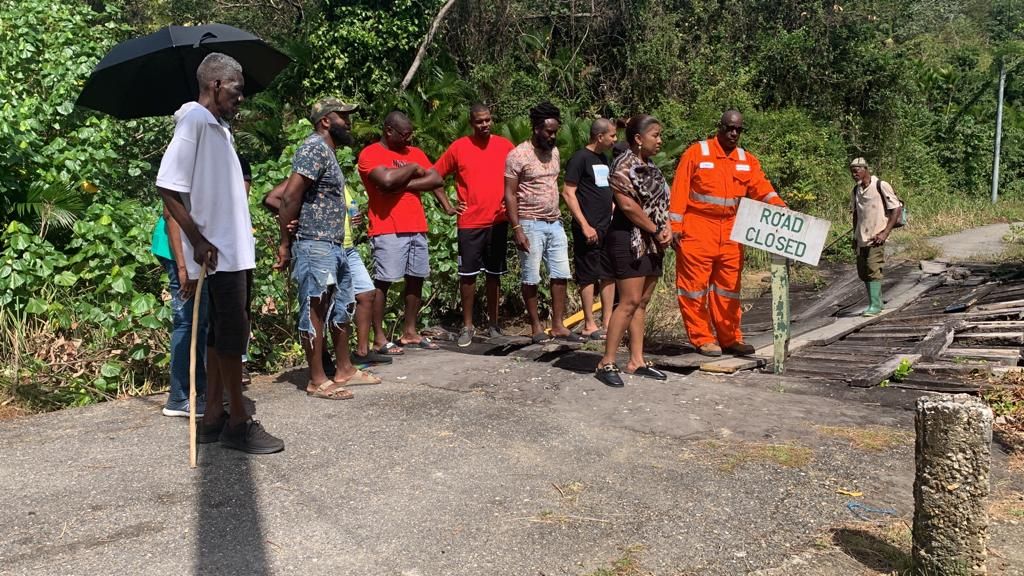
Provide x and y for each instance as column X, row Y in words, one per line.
column 197, row 299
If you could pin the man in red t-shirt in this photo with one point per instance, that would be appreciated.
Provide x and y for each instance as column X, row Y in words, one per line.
column 392, row 172
column 478, row 163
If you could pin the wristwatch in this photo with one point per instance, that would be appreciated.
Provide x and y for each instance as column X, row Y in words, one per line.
column 659, row 229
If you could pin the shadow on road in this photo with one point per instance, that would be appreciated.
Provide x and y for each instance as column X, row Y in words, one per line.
column 871, row 549
column 230, row 536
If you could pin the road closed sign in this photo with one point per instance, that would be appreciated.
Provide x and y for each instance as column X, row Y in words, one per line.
column 780, row 231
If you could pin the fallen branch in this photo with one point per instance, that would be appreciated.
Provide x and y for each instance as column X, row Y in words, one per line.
column 426, row 42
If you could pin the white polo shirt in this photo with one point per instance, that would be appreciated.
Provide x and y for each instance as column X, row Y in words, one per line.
column 200, row 163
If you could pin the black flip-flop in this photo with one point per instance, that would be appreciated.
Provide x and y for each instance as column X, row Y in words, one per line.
column 598, row 334
column 648, row 371
column 371, row 358
column 424, row 344
column 540, row 338
column 571, row 337
column 609, row 375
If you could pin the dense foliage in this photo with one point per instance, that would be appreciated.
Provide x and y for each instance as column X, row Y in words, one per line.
column 908, row 84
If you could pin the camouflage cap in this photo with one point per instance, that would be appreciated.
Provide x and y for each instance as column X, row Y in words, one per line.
column 859, row 162
column 328, row 105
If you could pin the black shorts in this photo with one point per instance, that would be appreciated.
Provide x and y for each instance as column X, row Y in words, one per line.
column 483, row 250
column 590, row 261
column 623, row 263
column 230, row 297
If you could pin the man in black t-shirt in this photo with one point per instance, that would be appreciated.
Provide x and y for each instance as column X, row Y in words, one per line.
column 589, row 198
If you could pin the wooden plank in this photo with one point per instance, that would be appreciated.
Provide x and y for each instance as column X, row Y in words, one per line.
column 996, row 325
column 833, row 373
column 900, row 328
column 951, row 388
column 931, row 318
column 997, row 355
column 1000, row 305
column 692, row 360
column 946, row 368
column 874, row 375
column 998, row 338
column 731, row 365
column 876, row 336
column 938, row 339
column 828, row 334
column 823, row 355
column 875, row 347
column 971, row 299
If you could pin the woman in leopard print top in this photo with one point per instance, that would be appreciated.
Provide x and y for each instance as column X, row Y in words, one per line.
column 636, row 245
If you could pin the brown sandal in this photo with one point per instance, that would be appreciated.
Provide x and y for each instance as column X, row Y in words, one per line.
column 359, row 378
column 328, row 390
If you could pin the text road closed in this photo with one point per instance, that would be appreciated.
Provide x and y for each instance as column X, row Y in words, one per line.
column 780, row 231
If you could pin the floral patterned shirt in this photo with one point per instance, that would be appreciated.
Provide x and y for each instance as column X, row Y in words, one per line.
column 323, row 212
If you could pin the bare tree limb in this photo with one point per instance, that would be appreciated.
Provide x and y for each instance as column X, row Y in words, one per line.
column 426, row 42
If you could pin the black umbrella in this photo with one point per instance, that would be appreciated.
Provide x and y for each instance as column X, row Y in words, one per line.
column 155, row 74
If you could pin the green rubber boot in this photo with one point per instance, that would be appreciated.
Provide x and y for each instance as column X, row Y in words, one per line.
column 875, row 293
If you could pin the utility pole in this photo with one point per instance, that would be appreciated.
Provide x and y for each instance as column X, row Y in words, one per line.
column 999, row 131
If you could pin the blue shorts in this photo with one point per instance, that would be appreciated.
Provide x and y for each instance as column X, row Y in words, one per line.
column 396, row 256
column 547, row 242
column 361, row 281
column 321, row 268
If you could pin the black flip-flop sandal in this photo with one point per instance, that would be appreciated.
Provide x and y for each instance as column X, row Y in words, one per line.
column 649, row 371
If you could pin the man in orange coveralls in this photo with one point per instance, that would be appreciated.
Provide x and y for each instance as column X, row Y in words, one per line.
column 712, row 176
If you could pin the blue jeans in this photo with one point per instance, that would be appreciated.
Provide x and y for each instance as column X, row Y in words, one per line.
column 320, row 268
column 549, row 243
column 181, row 337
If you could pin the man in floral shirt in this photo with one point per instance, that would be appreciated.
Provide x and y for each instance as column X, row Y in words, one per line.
column 314, row 193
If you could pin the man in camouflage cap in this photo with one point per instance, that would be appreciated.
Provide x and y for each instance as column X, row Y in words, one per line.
column 315, row 195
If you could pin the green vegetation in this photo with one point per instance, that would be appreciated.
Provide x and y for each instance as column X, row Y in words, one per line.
column 908, row 84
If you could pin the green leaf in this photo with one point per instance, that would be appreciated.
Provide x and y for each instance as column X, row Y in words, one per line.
column 121, row 284
column 150, row 321
column 65, row 278
column 139, row 352
column 141, row 304
column 36, row 306
column 110, row 370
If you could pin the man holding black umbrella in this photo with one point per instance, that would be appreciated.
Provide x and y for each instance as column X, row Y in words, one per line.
column 200, row 180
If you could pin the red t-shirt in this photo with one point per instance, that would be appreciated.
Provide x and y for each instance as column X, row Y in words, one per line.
column 392, row 212
column 479, row 178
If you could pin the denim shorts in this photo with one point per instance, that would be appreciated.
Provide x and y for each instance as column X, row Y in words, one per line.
column 322, row 268
column 396, row 256
column 547, row 242
column 361, row 281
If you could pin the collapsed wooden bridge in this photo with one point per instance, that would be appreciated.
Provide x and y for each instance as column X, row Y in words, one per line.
column 944, row 328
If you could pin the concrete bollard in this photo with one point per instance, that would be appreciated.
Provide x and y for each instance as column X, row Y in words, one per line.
column 954, row 437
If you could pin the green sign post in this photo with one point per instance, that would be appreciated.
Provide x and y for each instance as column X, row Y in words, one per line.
column 789, row 235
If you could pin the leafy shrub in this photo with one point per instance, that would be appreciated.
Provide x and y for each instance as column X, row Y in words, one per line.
column 54, row 154
column 88, row 322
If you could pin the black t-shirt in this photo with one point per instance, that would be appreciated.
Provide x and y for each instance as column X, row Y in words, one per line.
column 589, row 172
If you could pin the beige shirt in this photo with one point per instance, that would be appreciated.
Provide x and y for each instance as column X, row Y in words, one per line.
column 870, row 209
column 537, row 195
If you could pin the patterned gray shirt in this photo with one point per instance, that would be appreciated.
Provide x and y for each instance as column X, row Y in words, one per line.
column 323, row 212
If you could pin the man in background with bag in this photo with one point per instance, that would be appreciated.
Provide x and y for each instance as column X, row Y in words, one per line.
column 876, row 211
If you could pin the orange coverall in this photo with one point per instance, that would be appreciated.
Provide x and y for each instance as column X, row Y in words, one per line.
column 705, row 195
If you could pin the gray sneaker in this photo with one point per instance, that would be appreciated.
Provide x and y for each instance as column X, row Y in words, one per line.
column 251, row 437
column 466, row 336
column 494, row 332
